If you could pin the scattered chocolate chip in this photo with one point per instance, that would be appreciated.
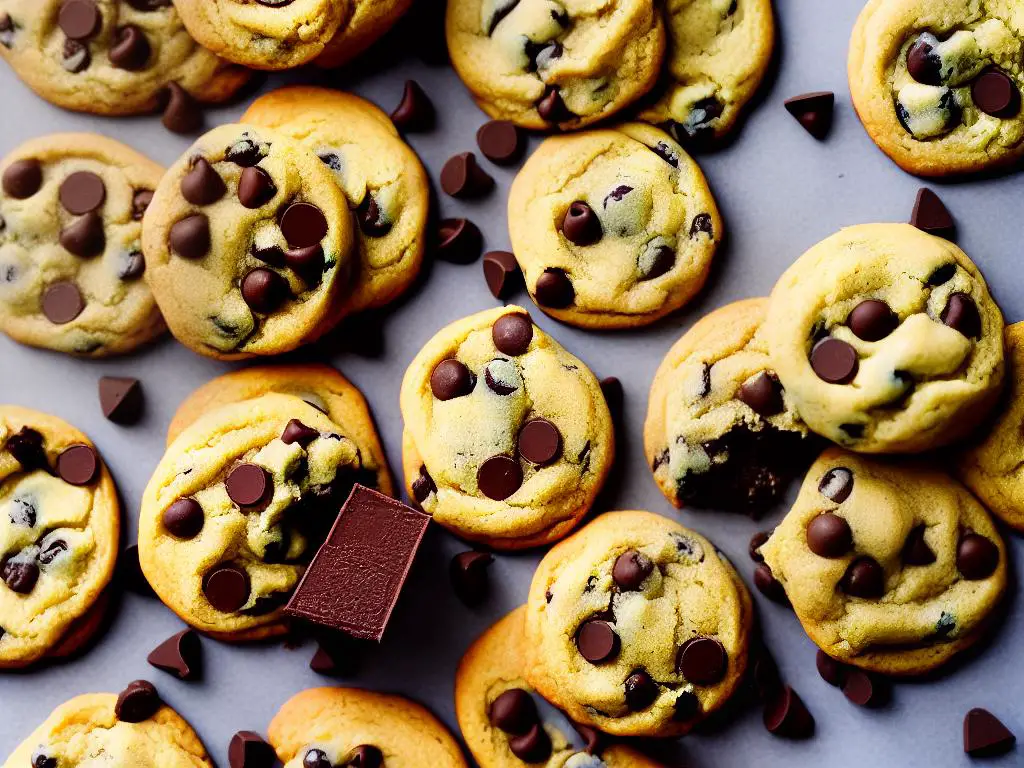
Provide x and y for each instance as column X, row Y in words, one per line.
column 316, row 758
column 769, row 586
column 179, row 655
column 872, row 320
column 631, row 569
column 786, row 715
column 20, row 576
column 923, row 63
column 512, row 333
column 462, row 177
column 976, row 557
column 450, row 379
column 84, row 237
column 501, row 141
column 916, row 550
column 468, row 574
column 834, row 361
column 184, row 518
column 581, row 225
column 763, row 394
column 82, row 192
column 137, row 702
column 181, row 113
column 202, row 185
column 756, row 542
column 423, row 486
column 614, row 396
column 23, row 178
column 256, row 189
column 995, row 94
column 303, row 225
column 864, row 578
column 140, row 202
column 121, row 399
column 831, row 671
column 931, row 215
column 227, row 588
column 372, row 220
column 499, row 477
column 297, row 432
column 78, row 465
column 459, row 241
column 961, row 314
column 813, row 111
column 985, row 735
column 79, row 19
column 337, row 655
column 415, row 112
column 551, row 107
column 502, row 273
column 861, row 688
column 249, row 750
column 534, row 746
column 264, row 290
column 540, row 442
column 836, row 484
column 702, row 660
column 130, row 50
column 554, row 289
column 248, row 485
column 308, row 263
column 641, row 691
column 829, row 535
column 597, row 641
column 190, row 237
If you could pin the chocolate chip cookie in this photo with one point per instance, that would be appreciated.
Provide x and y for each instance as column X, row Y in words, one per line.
column 938, row 84
column 637, row 626
column 613, row 228
column 555, row 64
column 248, row 244
column 59, row 527
column 721, row 431
column 508, row 437
column 890, row 566
column 71, row 260
column 886, row 339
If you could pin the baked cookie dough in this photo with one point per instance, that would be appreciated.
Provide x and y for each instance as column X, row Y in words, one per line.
column 237, row 508
column 248, row 244
column 71, row 260
column 890, row 565
column 381, row 177
column 500, row 718
column 555, row 64
column 508, row 437
column 886, row 339
column 613, row 228
column 721, row 431
column 718, row 53
column 637, row 626
column 322, row 727
column 59, row 528
column 86, row 730
column 110, row 57
column 938, row 84
column 367, row 21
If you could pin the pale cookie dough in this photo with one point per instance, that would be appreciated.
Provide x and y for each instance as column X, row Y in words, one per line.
column 323, row 727
column 555, row 64
column 248, row 244
column 59, row 528
column 110, row 57
column 721, row 431
column 86, row 731
column 890, row 565
column 937, row 84
column 718, row 53
column 502, row 718
column 637, row 626
column 71, row 260
column 238, row 506
column 886, row 339
column 613, row 228
column 508, row 438
column 382, row 178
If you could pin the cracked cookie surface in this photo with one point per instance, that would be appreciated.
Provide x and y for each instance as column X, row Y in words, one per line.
column 886, row 339
column 637, row 626
column 889, row 565
column 508, row 437
column 938, row 84
column 71, row 260
column 613, row 228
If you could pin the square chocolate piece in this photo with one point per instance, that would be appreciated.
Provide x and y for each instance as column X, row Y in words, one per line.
column 355, row 579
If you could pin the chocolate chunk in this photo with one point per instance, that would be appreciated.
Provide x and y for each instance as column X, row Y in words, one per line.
column 121, row 399
column 303, row 225
column 916, row 550
column 703, row 661
column 140, row 202
column 264, row 290
column 654, row 261
column 756, row 542
column 130, row 50
column 468, row 574
column 864, row 578
column 248, row 750
column 640, row 690
column 23, row 178
column 985, row 735
column 272, row 255
column 39, row 758
column 451, row 379
column 534, row 746
column 256, row 189
column 976, row 557
column 78, row 465
column 540, row 442
column 834, row 361
column 831, row 671
column 372, row 220
column 316, row 758
column 297, row 432
column 244, row 153
column 459, row 241
column 512, row 333
column 931, row 216
column 813, row 111
column 249, row 485
column 501, row 141
column 415, row 112
column 554, row 289
column 184, row 519
column 79, row 19
column 502, row 273
column 829, row 535
column 137, row 702
column 202, row 185
column 836, row 484
column 551, row 107
column 763, row 394
column 499, row 477
column 995, row 93
column 923, row 63
column 581, row 225
column 872, row 320
column 227, row 587
column 133, row 265
column 862, row 689
column 514, row 711
column 614, row 396
column 366, row 756
column 961, row 314
column 19, row 575
column 597, row 641
column 686, row 706
column 769, row 586
column 179, row 655
column 84, row 237
column 26, row 446
column 502, row 377
column 308, row 263
column 462, row 177
column 702, row 224
column 786, row 715
column 181, row 113
column 423, row 486
column 75, row 56
column 386, row 534
column 190, row 237
column 82, row 192
column 631, row 569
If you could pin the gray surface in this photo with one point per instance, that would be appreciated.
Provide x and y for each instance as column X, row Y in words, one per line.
column 780, row 192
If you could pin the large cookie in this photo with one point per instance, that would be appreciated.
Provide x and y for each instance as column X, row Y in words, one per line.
column 886, row 339
column 71, row 260
column 890, row 566
column 613, row 228
column 508, row 437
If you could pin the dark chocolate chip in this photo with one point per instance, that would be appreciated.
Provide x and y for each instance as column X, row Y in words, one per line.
column 75, row 56
column 640, row 690
column 462, row 177
column 248, row 485
column 768, row 585
column 190, row 237
column 248, row 750
column 245, row 153
column 182, row 113
column 985, row 735
column 834, row 361
column 82, row 192
column 316, row 758
column 686, row 706
column 372, row 220
column 540, row 442
column 551, row 107
column 512, row 333
column 756, row 542
column 702, row 224
column 450, row 379
column 202, row 185
column 864, row 578
column 831, row 671
column 763, row 394
column 861, row 688
column 786, row 715
column 931, row 215
column 501, row 141
column 554, row 289
column 502, row 273
column 459, row 241
column 631, row 569
column 499, row 477
column 923, row 63
column 995, row 93
column 366, row 756
column 39, row 758
column 976, row 557
column 179, row 655
column 121, row 399
column 703, row 661
column 597, row 641
column 468, row 574
column 813, row 111
column 140, row 202
column 84, row 237
column 227, row 588
column 916, row 550
column 23, row 178
column 514, row 711
column 256, row 189
column 264, row 290
column 668, row 154
column 415, row 112
column 534, row 746
column 184, row 518
column 78, row 465
column 500, row 377
column 423, row 486
column 26, row 446
column 961, row 314
column 836, row 484
column 130, row 50
column 872, row 320
column 297, row 432
column 308, row 263
column 829, row 535
column 20, row 576
column 79, row 19
column 137, row 702
column 581, row 225
column 272, row 255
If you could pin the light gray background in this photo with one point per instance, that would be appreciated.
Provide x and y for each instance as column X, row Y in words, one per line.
column 780, row 191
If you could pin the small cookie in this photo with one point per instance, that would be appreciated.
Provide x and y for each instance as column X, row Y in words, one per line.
column 890, row 566
column 86, row 730
column 613, row 228
column 71, row 260
column 367, row 22
column 110, row 57
column 721, row 431
column 938, row 84
column 508, row 438
column 238, row 506
column 319, row 385
column 248, row 244
column 59, row 525
column 637, row 626
column 886, row 339
column 718, row 53
column 500, row 718
column 381, row 177
column 555, row 64
column 352, row 727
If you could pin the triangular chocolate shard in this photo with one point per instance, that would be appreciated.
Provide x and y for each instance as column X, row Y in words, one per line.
column 985, row 735
column 813, row 111
column 931, row 215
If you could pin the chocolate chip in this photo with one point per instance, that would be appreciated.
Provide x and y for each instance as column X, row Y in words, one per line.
column 597, row 641
column 303, row 225
column 451, row 379
column 26, row 446
column 831, row 671
column 82, row 192
column 459, row 241
column 297, row 432
column 916, row 550
column 931, row 216
column 641, row 691
column 923, row 63
column 248, row 485
column 308, row 263
column 264, row 290
column 244, row 153
column 6, row 40
column 130, row 49
column 502, row 273
column 861, row 688
column 786, row 715
column 501, row 141
column 834, row 361
column 202, row 185
column 23, row 178
column 961, row 314
column 184, row 519
column 768, row 585
column 372, row 220
column 140, row 202
column 462, row 177
column 514, row 711
column 985, row 735
column 52, row 551
column 702, row 224
column 190, row 237
column 994, row 93
column 39, row 758
column 512, row 333
column 423, row 486
column 763, row 394
column 415, row 112
column 181, row 113
column 686, row 706
column 697, row 130
column 502, row 377
column 78, row 465
column 121, row 399
column 976, row 557
column 554, row 289
column 22, row 512
column 836, row 484
column 227, row 588
column 468, row 574
column 256, row 189
column 248, row 750
column 631, row 569
column 75, row 56
column 366, row 756
column 149, row 5
column 499, row 477
column 84, row 237
column 581, row 225
column 758, row 540
column 79, row 19
column 137, row 702
column 551, row 107
column 316, row 758
column 179, row 655
column 19, row 575
column 829, row 535
column 864, row 578
column 813, row 111
column 272, row 255
column 540, row 442
column 534, row 746
column 872, row 320
column 614, row 396
column 703, row 661
column 668, row 154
